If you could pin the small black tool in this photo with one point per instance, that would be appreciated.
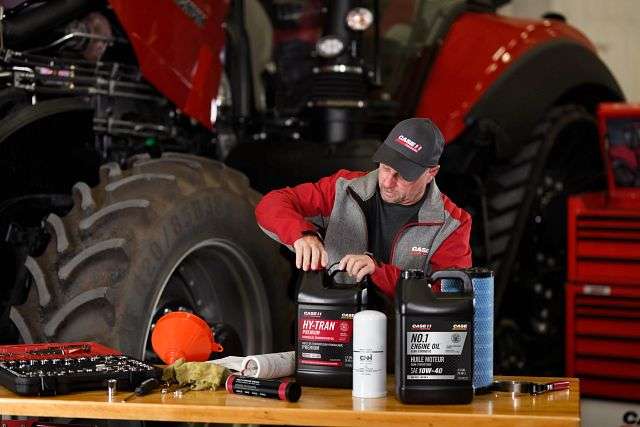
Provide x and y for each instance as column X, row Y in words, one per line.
column 144, row 388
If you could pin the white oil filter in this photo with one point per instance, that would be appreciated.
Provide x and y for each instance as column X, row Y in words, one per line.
column 369, row 354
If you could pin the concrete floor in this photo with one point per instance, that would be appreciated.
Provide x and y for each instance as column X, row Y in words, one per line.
column 609, row 413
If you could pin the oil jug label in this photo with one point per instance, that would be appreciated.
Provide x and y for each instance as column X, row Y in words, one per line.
column 326, row 330
column 438, row 350
column 435, row 343
column 325, row 338
column 369, row 363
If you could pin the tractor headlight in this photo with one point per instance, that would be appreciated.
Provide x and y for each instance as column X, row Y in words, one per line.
column 359, row 19
column 329, row 46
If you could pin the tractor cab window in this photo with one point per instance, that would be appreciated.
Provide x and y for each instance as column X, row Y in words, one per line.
column 409, row 30
column 623, row 144
column 297, row 25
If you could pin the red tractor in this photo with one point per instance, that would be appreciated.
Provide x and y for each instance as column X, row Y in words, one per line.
column 151, row 91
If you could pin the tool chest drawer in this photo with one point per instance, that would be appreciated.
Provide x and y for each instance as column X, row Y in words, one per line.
column 603, row 245
column 603, row 339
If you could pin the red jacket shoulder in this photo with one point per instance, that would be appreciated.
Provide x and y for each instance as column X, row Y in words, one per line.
column 455, row 211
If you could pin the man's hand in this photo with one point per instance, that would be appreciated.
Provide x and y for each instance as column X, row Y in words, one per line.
column 357, row 266
column 310, row 252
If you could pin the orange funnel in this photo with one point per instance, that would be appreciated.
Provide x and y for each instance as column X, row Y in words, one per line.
column 183, row 335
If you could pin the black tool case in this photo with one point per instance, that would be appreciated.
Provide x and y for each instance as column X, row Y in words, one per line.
column 60, row 368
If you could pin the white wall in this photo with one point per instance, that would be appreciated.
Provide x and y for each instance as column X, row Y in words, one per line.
column 612, row 25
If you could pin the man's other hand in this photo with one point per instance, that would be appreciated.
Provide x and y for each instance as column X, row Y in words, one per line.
column 310, row 253
column 357, row 266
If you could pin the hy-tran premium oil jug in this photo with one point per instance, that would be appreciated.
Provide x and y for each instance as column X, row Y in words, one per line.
column 324, row 344
column 434, row 340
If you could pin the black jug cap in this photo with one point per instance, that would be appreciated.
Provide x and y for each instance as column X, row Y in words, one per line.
column 412, row 274
column 479, row 272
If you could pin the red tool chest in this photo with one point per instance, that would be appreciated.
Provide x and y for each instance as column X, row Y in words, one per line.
column 603, row 289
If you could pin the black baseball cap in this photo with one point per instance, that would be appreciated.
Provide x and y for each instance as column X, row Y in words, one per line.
column 411, row 147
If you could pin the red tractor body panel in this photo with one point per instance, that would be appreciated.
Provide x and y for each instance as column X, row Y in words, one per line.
column 477, row 50
column 178, row 47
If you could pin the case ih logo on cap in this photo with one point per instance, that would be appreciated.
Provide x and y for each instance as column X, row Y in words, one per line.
column 406, row 142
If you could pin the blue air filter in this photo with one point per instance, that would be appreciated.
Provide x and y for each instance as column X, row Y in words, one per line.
column 482, row 281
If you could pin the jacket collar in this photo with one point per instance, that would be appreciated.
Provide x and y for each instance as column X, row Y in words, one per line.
column 432, row 210
column 365, row 186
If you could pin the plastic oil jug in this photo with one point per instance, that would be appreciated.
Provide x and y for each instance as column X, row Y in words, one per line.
column 324, row 336
column 434, row 339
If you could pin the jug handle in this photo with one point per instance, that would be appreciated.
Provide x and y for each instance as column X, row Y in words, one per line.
column 336, row 271
column 453, row 274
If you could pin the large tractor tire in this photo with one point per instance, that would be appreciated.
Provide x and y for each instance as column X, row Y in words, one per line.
column 173, row 233
column 527, row 231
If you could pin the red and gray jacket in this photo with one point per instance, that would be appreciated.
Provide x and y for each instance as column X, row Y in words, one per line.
column 439, row 239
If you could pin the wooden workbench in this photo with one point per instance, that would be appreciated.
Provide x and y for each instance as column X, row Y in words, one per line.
column 318, row 407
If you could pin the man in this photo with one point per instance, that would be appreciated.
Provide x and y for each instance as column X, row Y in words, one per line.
column 376, row 223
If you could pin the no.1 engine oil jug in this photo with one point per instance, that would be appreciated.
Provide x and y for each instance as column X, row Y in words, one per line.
column 324, row 338
column 434, row 340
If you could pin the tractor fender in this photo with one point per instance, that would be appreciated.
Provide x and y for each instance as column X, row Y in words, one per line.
column 558, row 71
column 509, row 71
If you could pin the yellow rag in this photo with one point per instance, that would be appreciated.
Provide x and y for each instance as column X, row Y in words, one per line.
column 198, row 375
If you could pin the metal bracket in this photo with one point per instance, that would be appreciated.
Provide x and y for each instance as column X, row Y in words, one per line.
column 24, row 78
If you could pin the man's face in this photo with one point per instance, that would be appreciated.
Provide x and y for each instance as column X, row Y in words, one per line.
column 395, row 189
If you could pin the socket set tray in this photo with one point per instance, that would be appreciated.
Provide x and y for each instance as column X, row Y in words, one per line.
column 59, row 368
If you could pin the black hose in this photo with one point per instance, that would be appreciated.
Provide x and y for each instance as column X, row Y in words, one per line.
column 18, row 30
column 238, row 63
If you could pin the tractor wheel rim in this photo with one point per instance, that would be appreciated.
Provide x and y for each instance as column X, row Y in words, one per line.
column 232, row 273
